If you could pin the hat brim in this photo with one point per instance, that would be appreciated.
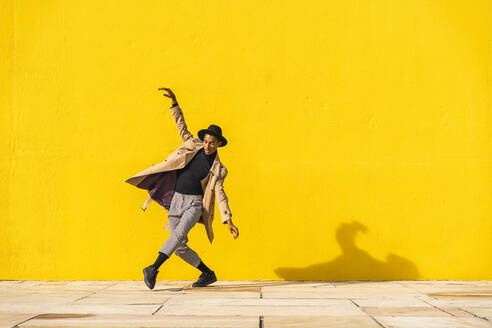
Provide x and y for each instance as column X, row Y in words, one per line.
column 202, row 133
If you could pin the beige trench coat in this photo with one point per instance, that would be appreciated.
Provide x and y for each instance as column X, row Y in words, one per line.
column 212, row 184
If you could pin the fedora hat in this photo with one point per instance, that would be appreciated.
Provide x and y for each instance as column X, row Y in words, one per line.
column 213, row 130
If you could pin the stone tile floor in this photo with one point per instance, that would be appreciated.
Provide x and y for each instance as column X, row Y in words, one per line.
column 347, row 304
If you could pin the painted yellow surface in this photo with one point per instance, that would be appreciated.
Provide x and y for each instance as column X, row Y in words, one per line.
column 359, row 136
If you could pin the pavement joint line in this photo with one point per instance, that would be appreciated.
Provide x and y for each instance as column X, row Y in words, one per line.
column 93, row 293
column 354, row 303
column 81, row 298
column 376, row 321
column 404, row 285
column 160, row 307
column 20, row 323
column 414, row 288
column 473, row 314
column 368, row 314
column 436, row 307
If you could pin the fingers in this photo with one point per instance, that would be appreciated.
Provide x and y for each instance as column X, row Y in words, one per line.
column 235, row 232
column 167, row 89
column 170, row 95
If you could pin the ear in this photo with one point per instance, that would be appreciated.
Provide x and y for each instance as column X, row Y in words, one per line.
column 220, row 143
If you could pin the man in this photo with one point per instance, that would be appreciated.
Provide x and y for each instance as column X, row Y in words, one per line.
column 186, row 184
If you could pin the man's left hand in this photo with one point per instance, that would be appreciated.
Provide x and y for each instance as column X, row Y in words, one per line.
column 233, row 229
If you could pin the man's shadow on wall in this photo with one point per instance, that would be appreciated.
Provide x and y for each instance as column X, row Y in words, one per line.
column 354, row 263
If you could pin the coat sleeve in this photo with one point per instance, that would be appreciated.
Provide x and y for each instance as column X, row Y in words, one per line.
column 180, row 123
column 222, row 200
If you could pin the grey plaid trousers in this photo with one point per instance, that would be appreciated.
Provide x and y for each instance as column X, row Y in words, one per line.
column 183, row 214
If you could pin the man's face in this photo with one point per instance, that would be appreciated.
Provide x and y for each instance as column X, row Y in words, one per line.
column 210, row 143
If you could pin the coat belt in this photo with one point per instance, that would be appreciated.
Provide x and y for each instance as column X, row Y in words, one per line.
column 146, row 204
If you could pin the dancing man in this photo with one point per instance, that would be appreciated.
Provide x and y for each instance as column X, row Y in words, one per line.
column 186, row 184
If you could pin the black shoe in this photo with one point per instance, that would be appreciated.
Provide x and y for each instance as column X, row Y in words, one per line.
column 205, row 279
column 150, row 273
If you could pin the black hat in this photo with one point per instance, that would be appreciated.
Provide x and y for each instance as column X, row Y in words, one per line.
column 214, row 130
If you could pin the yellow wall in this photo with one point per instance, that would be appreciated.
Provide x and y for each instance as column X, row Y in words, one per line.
column 360, row 136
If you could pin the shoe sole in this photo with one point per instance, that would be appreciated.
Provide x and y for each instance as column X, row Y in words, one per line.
column 205, row 285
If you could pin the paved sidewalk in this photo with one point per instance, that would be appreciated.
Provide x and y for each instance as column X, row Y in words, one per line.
column 347, row 304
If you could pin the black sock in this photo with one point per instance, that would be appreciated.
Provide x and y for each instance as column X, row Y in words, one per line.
column 158, row 262
column 203, row 268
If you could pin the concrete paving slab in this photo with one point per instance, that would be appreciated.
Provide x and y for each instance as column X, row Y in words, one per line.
column 396, row 302
column 127, row 321
column 319, row 322
column 81, row 309
column 260, row 307
column 404, row 311
column 120, row 297
column 430, row 322
column 476, row 303
column 12, row 299
column 195, row 301
column 336, row 292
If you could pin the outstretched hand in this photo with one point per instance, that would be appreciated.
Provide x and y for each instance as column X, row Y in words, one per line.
column 170, row 94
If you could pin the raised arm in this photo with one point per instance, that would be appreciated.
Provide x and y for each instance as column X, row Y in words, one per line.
column 178, row 116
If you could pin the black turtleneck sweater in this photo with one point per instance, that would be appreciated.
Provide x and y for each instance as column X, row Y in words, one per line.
column 188, row 178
